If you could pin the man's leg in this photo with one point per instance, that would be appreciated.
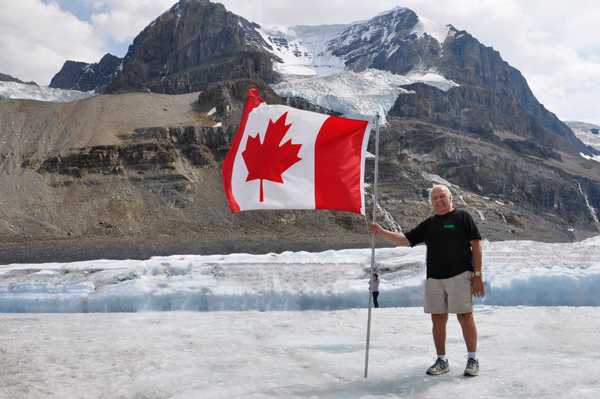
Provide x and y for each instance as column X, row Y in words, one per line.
column 467, row 323
column 439, row 332
column 441, row 364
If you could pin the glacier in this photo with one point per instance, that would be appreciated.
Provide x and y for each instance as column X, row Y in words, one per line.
column 16, row 91
column 356, row 95
column 516, row 273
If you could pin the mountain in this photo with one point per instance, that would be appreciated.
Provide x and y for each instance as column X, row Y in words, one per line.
column 8, row 78
column 193, row 44
column 404, row 43
column 142, row 166
column 197, row 43
column 87, row 77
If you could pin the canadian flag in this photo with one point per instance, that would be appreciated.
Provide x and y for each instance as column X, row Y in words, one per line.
column 284, row 158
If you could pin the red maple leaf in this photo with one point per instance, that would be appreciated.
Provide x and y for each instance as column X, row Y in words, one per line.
column 268, row 160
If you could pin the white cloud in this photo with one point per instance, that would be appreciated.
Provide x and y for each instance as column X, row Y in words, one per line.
column 126, row 18
column 36, row 39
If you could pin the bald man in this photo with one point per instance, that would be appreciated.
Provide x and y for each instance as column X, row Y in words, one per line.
column 454, row 259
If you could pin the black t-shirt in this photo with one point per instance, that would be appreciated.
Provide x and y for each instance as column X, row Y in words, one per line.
column 448, row 238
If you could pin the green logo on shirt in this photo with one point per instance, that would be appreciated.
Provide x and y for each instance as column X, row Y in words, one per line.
column 449, row 226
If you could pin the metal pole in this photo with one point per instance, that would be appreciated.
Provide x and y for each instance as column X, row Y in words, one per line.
column 372, row 243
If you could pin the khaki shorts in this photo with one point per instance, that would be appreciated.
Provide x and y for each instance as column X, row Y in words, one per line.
column 451, row 295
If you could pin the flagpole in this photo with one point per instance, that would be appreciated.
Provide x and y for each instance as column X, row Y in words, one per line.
column 372, row 243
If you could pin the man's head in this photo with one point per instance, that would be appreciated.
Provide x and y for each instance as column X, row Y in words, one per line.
column 441, row 199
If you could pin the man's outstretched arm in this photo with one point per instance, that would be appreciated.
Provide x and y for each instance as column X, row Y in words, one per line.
column 391, row 236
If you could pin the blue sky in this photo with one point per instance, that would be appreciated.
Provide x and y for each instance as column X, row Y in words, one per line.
column 555, row 44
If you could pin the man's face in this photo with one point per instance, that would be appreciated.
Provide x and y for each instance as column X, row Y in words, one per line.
column 441, row 200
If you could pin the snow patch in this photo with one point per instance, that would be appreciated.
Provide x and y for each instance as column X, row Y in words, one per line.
column 432, row 78
column 436, row 30
column 590, row 158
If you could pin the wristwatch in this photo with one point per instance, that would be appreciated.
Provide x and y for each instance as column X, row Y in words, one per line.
column 478, row 273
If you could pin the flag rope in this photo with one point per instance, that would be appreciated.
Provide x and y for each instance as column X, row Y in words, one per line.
column 372, row 244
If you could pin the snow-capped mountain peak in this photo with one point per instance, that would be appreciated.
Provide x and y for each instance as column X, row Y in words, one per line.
column 324, row 49
column 396, row 10
column 333, row 66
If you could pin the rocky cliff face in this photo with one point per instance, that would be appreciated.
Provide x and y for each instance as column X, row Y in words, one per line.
column 516, row 181
column 470, row 63
column 184, row 50
column 187, row 48
column 484, row 112
column 87, row 77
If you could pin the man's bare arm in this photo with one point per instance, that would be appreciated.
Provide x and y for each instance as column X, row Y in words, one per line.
column 393, row 237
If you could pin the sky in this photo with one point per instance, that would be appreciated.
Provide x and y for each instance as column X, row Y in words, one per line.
column 294, row 325
column 555, row 44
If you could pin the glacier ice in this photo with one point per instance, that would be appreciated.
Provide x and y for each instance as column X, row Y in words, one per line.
column 356, row 95
column 12, row 90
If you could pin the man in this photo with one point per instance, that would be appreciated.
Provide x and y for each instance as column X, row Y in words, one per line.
column 454, row 259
